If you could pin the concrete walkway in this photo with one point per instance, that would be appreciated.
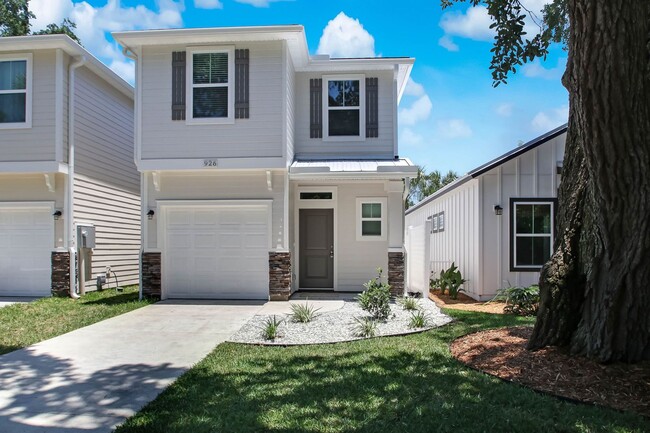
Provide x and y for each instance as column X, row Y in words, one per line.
column 92, row 379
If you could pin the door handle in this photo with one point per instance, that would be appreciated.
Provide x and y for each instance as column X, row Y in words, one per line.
column 331, row 251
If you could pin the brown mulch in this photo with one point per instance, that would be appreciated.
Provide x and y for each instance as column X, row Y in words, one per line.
column 465, row 303
column 502, row 353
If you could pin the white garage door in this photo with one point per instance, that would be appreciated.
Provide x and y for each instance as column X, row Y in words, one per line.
column 216, row 252
column 26, row 241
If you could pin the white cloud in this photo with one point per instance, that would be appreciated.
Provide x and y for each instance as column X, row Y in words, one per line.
column 208, row 4
column 504, row 109
column 413, row 88
column 473, row 24
column 454, row 128
column 94, row 22
column 345, row 37
column 545, row 121
column 447, row 43
column 258, row 3
column 417, row 112
column 535, row 69
column 408, row 137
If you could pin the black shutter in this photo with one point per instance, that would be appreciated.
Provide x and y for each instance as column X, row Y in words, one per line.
column 372, row 107
column 316, row 108
column 178, row 85
column 241, row 84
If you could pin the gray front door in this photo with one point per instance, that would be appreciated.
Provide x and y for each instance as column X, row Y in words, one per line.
column 316, row 248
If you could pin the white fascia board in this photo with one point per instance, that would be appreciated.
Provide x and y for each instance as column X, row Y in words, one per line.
column 33, row 167
column 65, row 43
column 363, row 176
column 221, row 164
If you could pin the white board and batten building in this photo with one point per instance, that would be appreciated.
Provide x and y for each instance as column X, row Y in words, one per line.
column 496, row 223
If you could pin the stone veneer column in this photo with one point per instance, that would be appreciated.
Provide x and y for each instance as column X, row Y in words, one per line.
column 60, row 273
column 396, row 273
column 279, row 276
column 151, row 275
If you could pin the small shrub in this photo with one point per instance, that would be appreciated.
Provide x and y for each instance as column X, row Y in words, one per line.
column 450, row 280
column 303, row 313
column 376, row 298
column 271, row 327
column 365, row 327
column 419, row 320
column 523, row 301
column 409, row 304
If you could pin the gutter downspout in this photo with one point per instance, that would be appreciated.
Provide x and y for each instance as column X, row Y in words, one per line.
column 72, row 244
column 128, row 53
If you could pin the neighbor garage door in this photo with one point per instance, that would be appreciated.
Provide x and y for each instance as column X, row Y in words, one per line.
column 26, row 241
column 216, row 251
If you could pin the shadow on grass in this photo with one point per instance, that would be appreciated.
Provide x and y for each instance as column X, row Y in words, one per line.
column 409, row 384
column 116, row 299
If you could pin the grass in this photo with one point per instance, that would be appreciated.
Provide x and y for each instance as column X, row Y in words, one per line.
column 25, row 324
column 408, row 383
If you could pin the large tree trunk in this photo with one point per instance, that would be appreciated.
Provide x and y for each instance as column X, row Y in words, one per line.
column 595, row 290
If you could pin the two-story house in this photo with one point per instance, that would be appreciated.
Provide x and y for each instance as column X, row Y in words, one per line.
column 265, row 170
column 69, row 188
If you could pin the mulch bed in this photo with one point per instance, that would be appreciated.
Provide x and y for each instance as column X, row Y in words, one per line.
column 502, row 353
column 465, row 303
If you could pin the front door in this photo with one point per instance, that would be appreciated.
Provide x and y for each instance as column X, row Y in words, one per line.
column 316, row 248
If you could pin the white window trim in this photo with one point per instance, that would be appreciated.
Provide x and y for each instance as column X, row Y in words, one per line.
column 516, row 266
column 189, row 79
column 384, row 210
column 362, row 107
column 28, row 91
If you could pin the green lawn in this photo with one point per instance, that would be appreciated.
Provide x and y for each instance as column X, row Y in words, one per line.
column 398, row 384
column 25, row 324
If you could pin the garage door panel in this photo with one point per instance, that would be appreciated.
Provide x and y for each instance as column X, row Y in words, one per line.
column 225, row 250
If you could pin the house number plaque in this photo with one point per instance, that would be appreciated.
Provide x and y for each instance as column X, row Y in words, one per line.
column 209, row 163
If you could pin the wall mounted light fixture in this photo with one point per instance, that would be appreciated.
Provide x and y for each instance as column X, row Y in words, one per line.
column 498, row 210
column 150, row 214
column 57, row 214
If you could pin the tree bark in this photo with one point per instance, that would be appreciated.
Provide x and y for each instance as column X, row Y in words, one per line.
column 595, row 294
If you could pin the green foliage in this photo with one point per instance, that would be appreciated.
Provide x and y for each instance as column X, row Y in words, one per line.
column 512, row 46
column 450, row 281
column 376, row 298
column 424, row 184
column 15, row 18
column 271, row 328
column 419, row 320
column 409, row 304
column 303, row 313
column 523, row 301
column 365, row 327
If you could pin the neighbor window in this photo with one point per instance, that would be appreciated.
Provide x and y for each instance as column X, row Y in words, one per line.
column 532, row 225
column 211, row 86
column 371, row 219
column 15, row 100
column 343, row 107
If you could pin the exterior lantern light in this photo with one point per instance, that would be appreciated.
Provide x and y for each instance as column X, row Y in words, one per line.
column 150, row 214
column 498, row 210
column 57, row 214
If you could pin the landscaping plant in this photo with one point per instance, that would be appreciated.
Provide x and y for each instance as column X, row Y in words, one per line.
column 303, row 313
column 450, row 280
column 419, row 320
column 523, row 301
column 376, row 298
column 271, row 328
column 409, row 304
column 365, row 327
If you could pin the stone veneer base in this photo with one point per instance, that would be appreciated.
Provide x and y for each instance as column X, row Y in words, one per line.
column 151, row 269
column 60, row 273
column 279, row 276
column 396, row 273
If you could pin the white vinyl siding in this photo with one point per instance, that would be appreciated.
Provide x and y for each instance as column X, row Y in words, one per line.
column 375, row 147
column 291, row 104
column 259, row 136
column 35, row 143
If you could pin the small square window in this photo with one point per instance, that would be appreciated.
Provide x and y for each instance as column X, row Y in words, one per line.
column 371, row 219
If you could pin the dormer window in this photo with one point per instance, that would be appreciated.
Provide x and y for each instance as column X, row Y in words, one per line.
column 210, row 81
column 15, row 92
column 344, row 107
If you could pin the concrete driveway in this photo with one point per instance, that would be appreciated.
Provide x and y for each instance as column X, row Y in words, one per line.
column 92, row 379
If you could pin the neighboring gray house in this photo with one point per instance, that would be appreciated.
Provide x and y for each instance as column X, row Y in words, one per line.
column 497, row 223
column 66, row 164
column 265, row 170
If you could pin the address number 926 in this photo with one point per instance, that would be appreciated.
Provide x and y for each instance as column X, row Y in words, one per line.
column 209, row 163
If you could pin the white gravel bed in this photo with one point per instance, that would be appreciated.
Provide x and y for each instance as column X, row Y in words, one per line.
column 337, row 326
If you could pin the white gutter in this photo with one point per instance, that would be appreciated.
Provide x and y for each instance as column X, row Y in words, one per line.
column 69, row 212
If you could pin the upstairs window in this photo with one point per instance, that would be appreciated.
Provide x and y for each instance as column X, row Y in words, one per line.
column 15, row 88
column 344, row 107
column 211, row 85
column 532, row 228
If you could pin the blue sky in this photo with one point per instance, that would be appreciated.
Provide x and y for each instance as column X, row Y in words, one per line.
column 450, row 117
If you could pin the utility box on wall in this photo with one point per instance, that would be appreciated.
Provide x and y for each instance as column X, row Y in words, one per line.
column 85, row 236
